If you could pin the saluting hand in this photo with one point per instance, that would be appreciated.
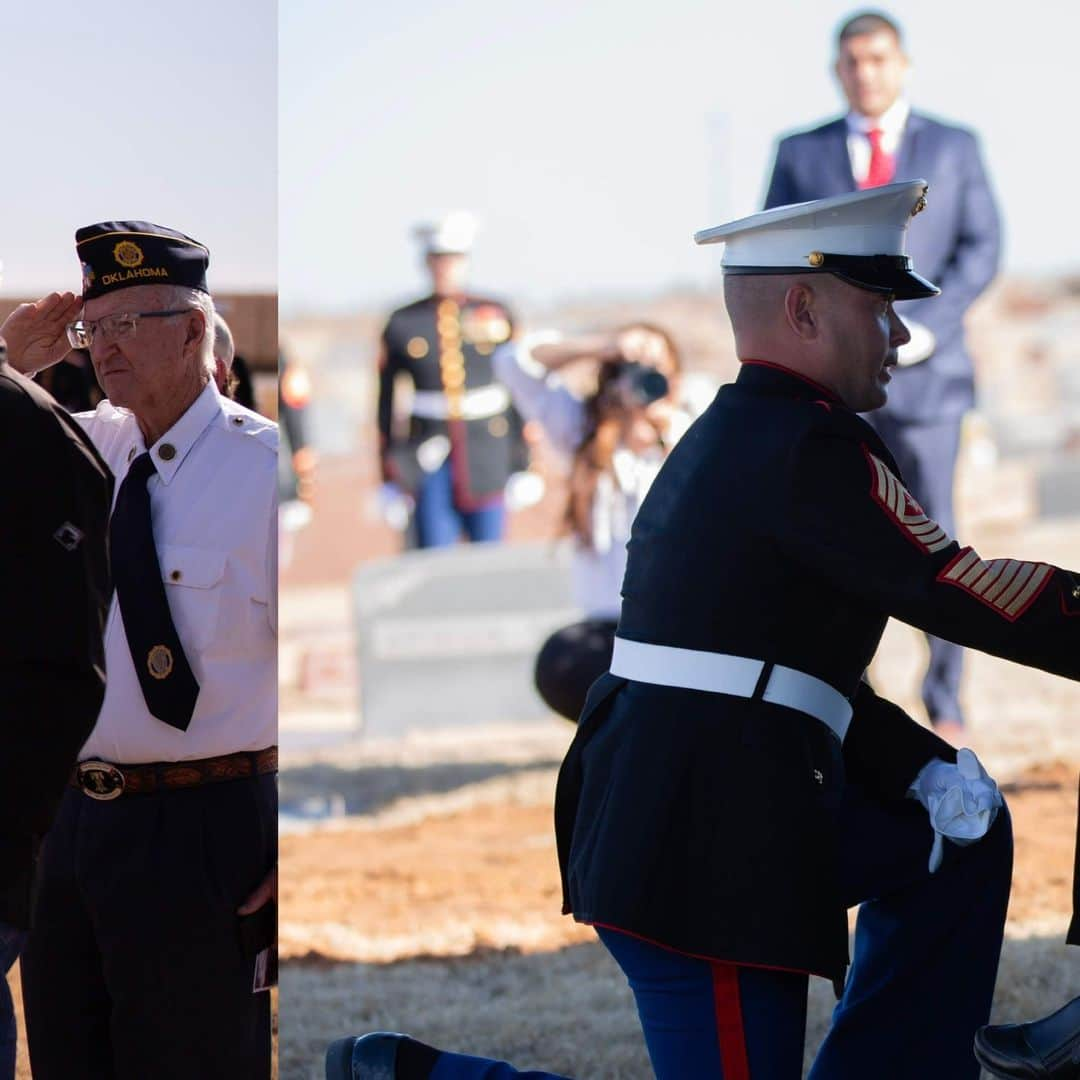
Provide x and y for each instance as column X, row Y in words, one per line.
column 36, row 333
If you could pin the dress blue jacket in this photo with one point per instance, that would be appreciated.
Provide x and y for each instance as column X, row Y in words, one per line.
column 956, row 244
column 778, row 529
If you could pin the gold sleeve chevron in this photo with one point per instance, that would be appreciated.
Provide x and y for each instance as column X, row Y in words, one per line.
column 1009, row 586
column 898, row 503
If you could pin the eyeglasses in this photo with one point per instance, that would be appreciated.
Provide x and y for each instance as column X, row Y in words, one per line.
column 119, row 327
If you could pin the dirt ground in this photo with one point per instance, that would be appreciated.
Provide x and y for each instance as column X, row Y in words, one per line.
column 439, row 914
column 486, row 877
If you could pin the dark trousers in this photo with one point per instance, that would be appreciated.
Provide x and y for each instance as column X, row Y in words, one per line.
column 920, row 984
column 570, row 661
column 134, row 966
column 439, row 521
column 926, row 454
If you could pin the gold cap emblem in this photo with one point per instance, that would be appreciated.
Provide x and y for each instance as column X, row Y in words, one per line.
column 128, row 254
column 159, row 662
column 815, row 258
column 920, row 205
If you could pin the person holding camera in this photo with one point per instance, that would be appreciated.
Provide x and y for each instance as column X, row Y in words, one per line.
column 616, row 440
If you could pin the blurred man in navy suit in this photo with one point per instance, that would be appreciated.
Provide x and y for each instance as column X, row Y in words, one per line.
column 881, row 140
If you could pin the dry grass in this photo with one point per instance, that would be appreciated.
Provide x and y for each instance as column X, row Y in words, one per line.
column 569, row 1011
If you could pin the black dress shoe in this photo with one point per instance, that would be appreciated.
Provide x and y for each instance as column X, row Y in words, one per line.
column 382, row 1055
column 1047, row 1049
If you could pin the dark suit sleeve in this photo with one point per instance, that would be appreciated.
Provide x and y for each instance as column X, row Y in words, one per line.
column 976, row 253
column 885, row 749
column 781, row 186
column 53, row 602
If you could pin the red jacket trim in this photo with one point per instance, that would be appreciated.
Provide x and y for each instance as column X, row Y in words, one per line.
column 702, row 956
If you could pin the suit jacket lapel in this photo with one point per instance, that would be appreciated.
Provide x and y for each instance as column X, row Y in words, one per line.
column 908, row 159
column 839, row 159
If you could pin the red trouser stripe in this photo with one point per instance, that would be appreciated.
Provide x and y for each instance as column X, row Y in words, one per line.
column 729, row 1021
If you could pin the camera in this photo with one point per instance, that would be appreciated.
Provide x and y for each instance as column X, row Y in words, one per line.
column 637, row 385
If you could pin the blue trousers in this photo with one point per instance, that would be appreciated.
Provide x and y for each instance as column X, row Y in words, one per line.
column 11, row 941
column 921, row 981
column 439, row 521
column 926, row 454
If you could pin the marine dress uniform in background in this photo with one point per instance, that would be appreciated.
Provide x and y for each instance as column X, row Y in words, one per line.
column 55, row 495
column 734, row 787
column 139, row 964
column 921, row 423
column 463, row 441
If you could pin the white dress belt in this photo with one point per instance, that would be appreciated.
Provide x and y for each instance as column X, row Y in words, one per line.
column 476, row 404
column 719, row 673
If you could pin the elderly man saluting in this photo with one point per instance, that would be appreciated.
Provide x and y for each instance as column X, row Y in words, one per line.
column 157, row 881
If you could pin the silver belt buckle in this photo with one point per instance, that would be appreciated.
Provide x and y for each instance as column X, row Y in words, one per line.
column 100, row 780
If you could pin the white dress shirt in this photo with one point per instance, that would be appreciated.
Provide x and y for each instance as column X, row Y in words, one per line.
column 890, row 124
column 213, row 502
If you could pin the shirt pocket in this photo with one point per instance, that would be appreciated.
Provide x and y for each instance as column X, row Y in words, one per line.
column 193, row 578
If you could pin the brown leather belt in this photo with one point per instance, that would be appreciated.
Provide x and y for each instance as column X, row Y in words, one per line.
column 103, row 780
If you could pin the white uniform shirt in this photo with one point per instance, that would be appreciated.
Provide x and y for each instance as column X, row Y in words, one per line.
column 213, row 505
column 890, row 123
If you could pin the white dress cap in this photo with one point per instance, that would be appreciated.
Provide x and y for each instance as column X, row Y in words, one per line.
column 859, row 237
column 450, row 234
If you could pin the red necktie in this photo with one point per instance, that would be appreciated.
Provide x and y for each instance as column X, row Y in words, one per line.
column 882, row 165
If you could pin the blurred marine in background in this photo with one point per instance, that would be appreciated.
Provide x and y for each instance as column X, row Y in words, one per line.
column 463, row 440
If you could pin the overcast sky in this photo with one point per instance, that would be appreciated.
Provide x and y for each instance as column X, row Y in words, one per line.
column 593, row 138
column 137, row 110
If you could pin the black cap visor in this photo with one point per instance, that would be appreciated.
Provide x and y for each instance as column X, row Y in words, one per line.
column 891, row 274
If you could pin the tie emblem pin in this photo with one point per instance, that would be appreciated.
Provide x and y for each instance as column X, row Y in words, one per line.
column 159, row 662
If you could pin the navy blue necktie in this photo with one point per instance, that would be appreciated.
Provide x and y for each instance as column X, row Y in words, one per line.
column 168, row 685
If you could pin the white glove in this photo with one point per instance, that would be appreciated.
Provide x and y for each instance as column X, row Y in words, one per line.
column 394, row 506
column 523, row 489
column 962, row 801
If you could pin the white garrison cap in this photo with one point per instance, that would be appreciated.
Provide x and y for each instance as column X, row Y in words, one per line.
column 858, row 237
column 451, row 234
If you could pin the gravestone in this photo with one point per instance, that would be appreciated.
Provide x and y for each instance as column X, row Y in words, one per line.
column 449, row 636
